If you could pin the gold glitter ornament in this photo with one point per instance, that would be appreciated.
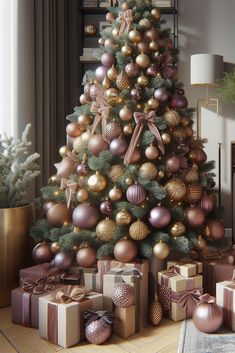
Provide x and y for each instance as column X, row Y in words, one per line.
column 123, row 217
column 155, row 312
column 172, row 118
column 116, row 172
column 122, row 81
column 138, row 230
column 105, row 229
column 82, row 195
column 148, row 170
column 97, row 182
column 177, row 229
column 176, row 189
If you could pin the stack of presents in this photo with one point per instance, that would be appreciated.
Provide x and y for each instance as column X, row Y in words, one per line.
column 54, row 302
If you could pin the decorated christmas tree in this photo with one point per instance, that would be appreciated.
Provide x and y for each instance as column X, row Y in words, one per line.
column 133, row 179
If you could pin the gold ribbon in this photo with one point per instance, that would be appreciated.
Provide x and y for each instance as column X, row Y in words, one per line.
column 101, row 108
column 72, row 294
column 70, row 188
column 125, row 19
column 42, row 285
column 141, row 119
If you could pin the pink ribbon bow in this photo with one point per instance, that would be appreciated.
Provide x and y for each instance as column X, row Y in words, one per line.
column 102, row 110
column 42, row 285
column 207, row 298
column 141, row 119
column 70, row 188
column 125, row 19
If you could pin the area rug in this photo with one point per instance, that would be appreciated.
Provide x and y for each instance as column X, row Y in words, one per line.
column 194, row 341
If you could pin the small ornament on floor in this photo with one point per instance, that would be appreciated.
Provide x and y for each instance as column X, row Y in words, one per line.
column 98, row 326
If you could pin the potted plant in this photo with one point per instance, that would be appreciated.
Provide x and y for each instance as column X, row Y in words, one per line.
column 226, row 87
column 17, row 170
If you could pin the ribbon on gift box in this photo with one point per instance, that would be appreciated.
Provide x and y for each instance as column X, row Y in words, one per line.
column 101, row 108
column 71, row 294
column 188, row 300
column 125, row 19
column 91, row 315
column 186, row 262
column 70, row 188
column 172, row 272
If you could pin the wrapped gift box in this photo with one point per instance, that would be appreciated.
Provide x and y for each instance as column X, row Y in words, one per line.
column 178, row 283
column 24, row 305
column 225, row 298
column 124, row 324
column 186, row 267
column 218, row 272
column 63, row 323
column 39, row 271
column 93, row 281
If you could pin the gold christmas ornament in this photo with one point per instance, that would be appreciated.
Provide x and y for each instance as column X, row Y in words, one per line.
column 145, row 23
column 106, row 83
column 101, row 41
column 112, row 73
column 161, row 250
column 84, row 120
column 122, row 81
column 116, row 172
column 129, row 181
column 84, row 99
column 86, row 137
column 151, row 152
column 73, row 130
column 172, row 118
column 143, row 60
column 140, row 106
column 138, row 230
column 194, row 193
column 189, row 131
column 177, row 229
column 153, row 103
column 166, row 138
column 115, row 194
column 125, row 114
column 128, row 129
column 176, row 189
column 97, row 182
column 105, row 229
column 143, row 81
column 115, row 32
column 78, row 144
column 82, row 195
column 135, row 36
column 185, row 121
column 191, row 176
column 63, row 151
column 155, row 312
column 156, row 13
column 153, row 46
column 55, row 247
column 127, row 50
column 200, row 243
column 161, row 174
column 123, row 217
column 125, row 6
column 148, row 170
column 111, row 94
column 76, row 230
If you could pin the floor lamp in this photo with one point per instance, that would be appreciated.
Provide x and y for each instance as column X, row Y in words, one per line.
column 206, row 70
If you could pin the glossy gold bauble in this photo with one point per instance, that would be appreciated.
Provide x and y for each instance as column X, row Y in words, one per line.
column 128, row 129
column 127, row 50
column 177, row 229
column 106, row 83
column 101, row 41
column 161, row 250
column 84, row 98
column 78, row 144
column 108, row 42
column 194, row 193
column 85, row 137
column 123, row 217
column 63, row 151
column 153, row 46
column 125, row 6
column 112, row 73
column 148, row 171
column 115, row 194
column 97, row 182
column 145, row 23
column 151, row 152
column 116, row 172
column 135, row 36
column 172, row 118
column 138, row 230
column 191, row 176
column 156, row 14
column 129, row 181
column 153, row 103
column 84, row 120
column 166, row 138
column 176, row 189
column 126, row 114
column 143, row 60
column 143, row 81
column 55, row 247
column 115, row 32
column 200, row 243
column 179, row 133
column 122, row 81
column 111, row 93
column 82, row 195
column 140, row 106
column 189, row 131
column 155, row 312
column 105, row 229
column 161, row 174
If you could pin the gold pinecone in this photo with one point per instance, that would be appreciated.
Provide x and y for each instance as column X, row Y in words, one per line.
column 155, row 312
column 122, row 81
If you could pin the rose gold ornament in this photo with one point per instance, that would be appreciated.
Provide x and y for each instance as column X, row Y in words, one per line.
column 195, row 216
column 135, row 36
column 73, row 130
column 84, row 99
column 86, row 257
column 192, row 176
column 143, row 47
column 110, row 17
column 123, row 295
column 194, row 193
column 127, row 50
column 161, row 250
column 166, row 138
column 84, row 120
column 65, row 168
column 97, row 144
column 155, row 312
column 208, row 316
column 172, row 118
column 126, row 114
column 58, row 215
column 125, row 250
column 108, row 42
column 151, row 152
column 42, row 253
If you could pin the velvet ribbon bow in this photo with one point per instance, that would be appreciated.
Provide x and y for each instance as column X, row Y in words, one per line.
column 125, row 19
column 90, row 316
column 207, row 298
column 40, row 286
column 142, row 118
column 72, row 294
column 101, row 108
column 70, row 188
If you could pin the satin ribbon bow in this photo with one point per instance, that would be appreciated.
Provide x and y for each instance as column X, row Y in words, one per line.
column 72, row 293
column 126, row 271
column 70, row 188
column 90, row 316
column 101, row 108
column 174, row 269
column 185, row 300
column 141, row 119
column 125, row 19
column 207, row 298
column 42, row 285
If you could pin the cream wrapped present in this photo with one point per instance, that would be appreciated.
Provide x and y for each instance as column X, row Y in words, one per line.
column 225, row 298
column 61, row 314
column 186, row 267
column 177, row 283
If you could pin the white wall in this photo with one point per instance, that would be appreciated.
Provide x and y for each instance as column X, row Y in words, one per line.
column 208, row 26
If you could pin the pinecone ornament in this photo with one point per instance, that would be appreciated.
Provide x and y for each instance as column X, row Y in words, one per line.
column 165, row 298
column 123, row 295
column 122, row 81
column 132, row 70
column 155, row 312
column 113, row 130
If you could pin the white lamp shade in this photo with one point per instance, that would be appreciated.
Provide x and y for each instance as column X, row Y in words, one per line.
column 206, row 69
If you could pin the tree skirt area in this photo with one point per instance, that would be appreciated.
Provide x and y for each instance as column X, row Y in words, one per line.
column 194, row 341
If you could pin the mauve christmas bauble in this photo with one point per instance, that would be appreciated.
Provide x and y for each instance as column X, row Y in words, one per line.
column 97, row 144
column 58, row 215
column 161, row 94
column 110, row 17
column 159, row 217
column 107, row 59
column 208, row 317
column 195, row 216
column 143, row 47
column 98, row 332
column 136, row 94
column 125, row 250
column 172, row 164
column 47, row 205
column 42, row 253
column 82, row 169
column 106, row 207
column 85, row 216
column 94, row 91
column 152, row 34
column 118, row 147
column 73, row 130
column 178, row 101
column 136, row 194
column 215, row 230
column 136, row 155
column 86, row 257
column 100, row 73
column 132, row 70
column 208, row 202
column 63, row 260
column 201, row 156
column 151, row 71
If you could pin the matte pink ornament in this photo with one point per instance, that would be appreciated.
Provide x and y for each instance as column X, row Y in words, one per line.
column 42, row 253
column 85, row 216
column 208, row 203
column 161, row 94
column 97, row 144
column 106, row 207
column 159, row 217
column 136, row 194
column 63, row 260
column 94, row 91
column 195, row 216
column 178, row 101
column 100, row 73
column 216, row 229
column 173, row 164
column 208, row 316
column 118, row 147
column 108, row 59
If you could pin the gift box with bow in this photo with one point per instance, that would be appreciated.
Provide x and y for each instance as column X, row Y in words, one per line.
column 187, row 267
column 38, row 271
column 177, row 283
column 61, row 314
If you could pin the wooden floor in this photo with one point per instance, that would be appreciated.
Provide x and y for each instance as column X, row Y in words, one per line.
column 15, row 338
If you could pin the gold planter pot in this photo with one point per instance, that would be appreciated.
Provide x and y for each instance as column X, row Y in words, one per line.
column 15, row 224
